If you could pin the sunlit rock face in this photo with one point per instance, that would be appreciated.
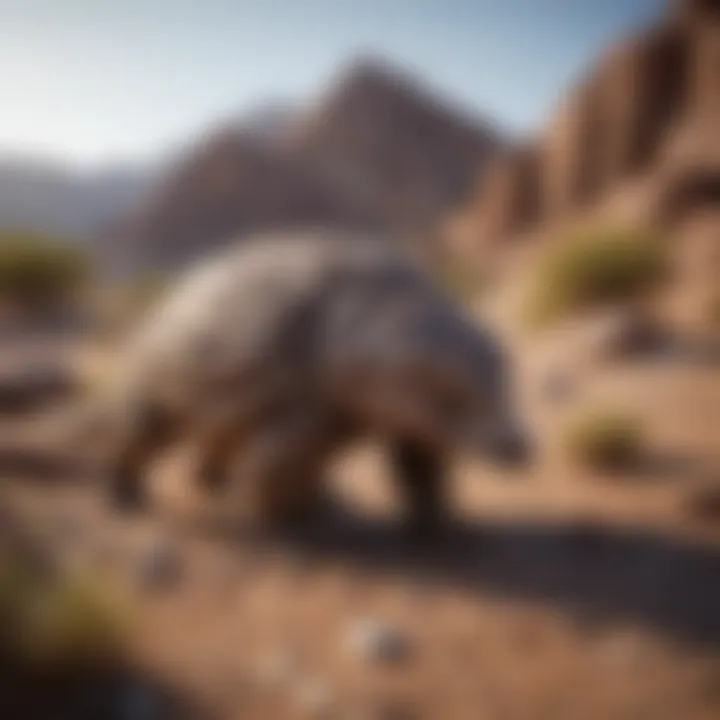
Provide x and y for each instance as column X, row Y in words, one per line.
column 644, row 112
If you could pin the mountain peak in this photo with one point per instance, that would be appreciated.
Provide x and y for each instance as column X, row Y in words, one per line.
column 367, row 66
column 378, row 150
column 368, row 79
column 380, row 132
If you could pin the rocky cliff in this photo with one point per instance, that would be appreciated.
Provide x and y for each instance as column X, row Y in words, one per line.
column 649, row 109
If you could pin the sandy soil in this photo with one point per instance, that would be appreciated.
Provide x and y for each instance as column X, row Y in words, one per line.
column 559, row 594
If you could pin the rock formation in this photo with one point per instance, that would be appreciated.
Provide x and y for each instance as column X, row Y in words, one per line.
column 649, row 109
column 378, row 151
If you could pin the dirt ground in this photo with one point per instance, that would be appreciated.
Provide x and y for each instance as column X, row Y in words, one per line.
column 557, row 594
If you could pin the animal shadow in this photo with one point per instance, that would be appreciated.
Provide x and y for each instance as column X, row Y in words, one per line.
column 600, row 573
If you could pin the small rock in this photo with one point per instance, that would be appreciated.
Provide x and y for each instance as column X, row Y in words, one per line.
column 161, row 567
column 376, row 641
column 628, row 333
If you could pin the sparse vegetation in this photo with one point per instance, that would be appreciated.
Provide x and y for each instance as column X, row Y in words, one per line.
column 37, row 272
column 65, row 624
column 607, row 440
column 596, row 268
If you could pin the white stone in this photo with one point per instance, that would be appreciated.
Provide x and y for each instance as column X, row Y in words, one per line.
column 376, row 641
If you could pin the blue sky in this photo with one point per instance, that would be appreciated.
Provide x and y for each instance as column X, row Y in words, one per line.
column 104, row 80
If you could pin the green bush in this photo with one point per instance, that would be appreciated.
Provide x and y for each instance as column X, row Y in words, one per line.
column 605, row 440
column 594, row 269
column 36, row 272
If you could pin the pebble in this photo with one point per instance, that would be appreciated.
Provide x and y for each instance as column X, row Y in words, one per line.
column 376, row 641
column 161, row 567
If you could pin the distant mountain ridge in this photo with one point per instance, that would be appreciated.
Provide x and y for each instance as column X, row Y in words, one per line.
column 377, row 150
column 54, row 199
column 382, row 134
column 227, row 184
column 270, row 122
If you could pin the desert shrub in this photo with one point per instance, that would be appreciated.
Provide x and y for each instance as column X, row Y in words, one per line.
column 74, row 625
column 606, row 440
column 596, row 268
column 38, row 272
column 66, row 624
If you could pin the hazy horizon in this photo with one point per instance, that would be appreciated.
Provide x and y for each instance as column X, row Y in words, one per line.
column 94, row 83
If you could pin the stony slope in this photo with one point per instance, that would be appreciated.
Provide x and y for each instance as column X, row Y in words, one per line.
column 644, row 113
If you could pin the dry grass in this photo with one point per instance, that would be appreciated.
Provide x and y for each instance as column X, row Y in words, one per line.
column 605, row 440
column 58, row 624
column 38, row 272
column 595, row 268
